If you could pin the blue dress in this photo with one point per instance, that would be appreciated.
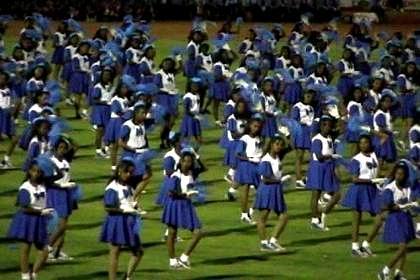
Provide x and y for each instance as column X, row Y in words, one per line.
column 169, row 101
column 79, row 79
column 247, row 171
column 101, row 113
column 385, row 150
column 301, row 137
column 269, row 196
column 221, row 87
column 119, row 228
column 362, row 197
column 113, row 127
column 190, row 125
column 321, row 174
column 170, row 162
column 30, row 228
column 179, row 212
column 399, row 226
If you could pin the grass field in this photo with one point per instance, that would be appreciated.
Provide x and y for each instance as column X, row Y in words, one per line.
column 229, row 250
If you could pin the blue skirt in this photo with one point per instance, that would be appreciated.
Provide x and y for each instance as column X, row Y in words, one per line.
column 247, row 173
column 269, row 128
column 230, row 158
column 292, row 93
column 221, row 90
column 399, row 228
column 362, row 198
column 345, row 85
column 112, row 131
column 79, row 82
column 7, row 125
column 61, row 200
column 163, row 194
column 352, row 136
column 100, row 115
column 58, row 56
column 407, row 108
column 29, row 228
column 67, row 71
column 169, row 102
column 303, row 140
column 133, row 70
column 321, row 176
column 190, row 68
column 270, row 197
column 190, row 126
column 387, row 150
column 122, row 230
column 180, row 213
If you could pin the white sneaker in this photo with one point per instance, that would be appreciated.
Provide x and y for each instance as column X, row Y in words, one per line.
column 228, row 179
column 6, row 164
column 101, row 155
column 247, row 220
column 64, row 257
column 277, row 247
column 300, row 184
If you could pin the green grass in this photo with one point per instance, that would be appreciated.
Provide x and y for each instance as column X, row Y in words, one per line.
column 229, row 249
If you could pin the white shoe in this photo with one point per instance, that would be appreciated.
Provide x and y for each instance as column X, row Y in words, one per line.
column 64, row 257
column 247, row 220
column 277, row 247
column 228, row 179
column 102, row 155
column 6, row 165
column 300, row 184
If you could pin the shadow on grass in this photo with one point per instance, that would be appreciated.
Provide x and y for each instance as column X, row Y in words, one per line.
column 92, row 199
column 238, row 259
column 85, row 226
column 233, row 276
column 97, row 274
column 240, row 230
column 94, row 253
column 321, row 239
column 10, row 269
column 9, row 192
column 6, row 216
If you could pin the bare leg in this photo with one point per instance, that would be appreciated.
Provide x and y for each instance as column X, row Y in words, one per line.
column 134, row 261
column 114, row 153
column 357, row 217
column 216, row 109
column 114, row 254
column 40, row 260
column 335, row 198
column 399, row 254
column 280, row 225
column 379, row 220
column 25, row 249
column 62, row 226
column 196, row 236
column 98, row 137
column 261, row 224
column 299, row 162
column 170, row 241
column 244, row 200
column 314, row 203
column 400, row 265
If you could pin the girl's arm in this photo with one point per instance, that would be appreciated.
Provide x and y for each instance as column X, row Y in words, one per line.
column 316, row 148
column 124, row 134
column 266, row 173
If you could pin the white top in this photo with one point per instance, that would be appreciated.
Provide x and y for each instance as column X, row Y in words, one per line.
column 318, row 80
column 137, row 55
column 43, row 146
column 195, row 46
column 400, row 196
column 64, row 167
column 38, row 195
column 106, row 91
column 125, row 196
column 5, row 98
column 254, row 149
column 357, row 105
column 306, row 113
column 149, row 63
column 173, row 154
column 168, row 82
column 275, row 165
column 195, row 102
column 186, row 181
column 388, row 124
column 327, row 148
column 207, row 62
column 61, row 39
column 269, row 103
column 83, row 62
column 296, row 73
column 368, row 166
column 240, row 126
column 123, row 103
column 137, row 137
column 413, row 129
column 348, row 67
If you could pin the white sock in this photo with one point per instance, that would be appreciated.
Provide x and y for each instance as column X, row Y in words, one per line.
column 84, row 111
column 34, row 275
column 173, row 261
column 184, row 258
column 114, row 167
column 231, row 172
column 273, row 240
column 418, row 227
column 166, row 232
column 98, row 151
column 251, row 211
column 6, row 158
column 365, row 244
column 397, row 271
column 244, row 215
column 25, row 276
column 355, row 246
column 315, row 220
column 232, row 190
column 264, row 242
column 385, row 270
column 326, row 196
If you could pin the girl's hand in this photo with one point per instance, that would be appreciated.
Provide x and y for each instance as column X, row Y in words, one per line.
column 191, row 193
column 47, row 211
column 379, row 181
column 285, row 178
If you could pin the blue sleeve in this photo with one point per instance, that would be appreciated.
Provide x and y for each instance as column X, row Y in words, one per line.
column 228, row 110
column 157, row 80
column 242, row 47
column 353, row 111
column 218, row 72
column 144, row 68
column 55, row 40
column 111, row 199
column 199, row 61
column 264, row 169
column 380, row 121
column 129, row 56
column 67, row 55
column 355, row 167
column 24, row 198
column 340, row 66
column 31, row 87
column 33, row 150
column 191, row 52
column 32, row 115
column 124, row 133
column 116, row 107
column 401, row 83
column 75, row 63
column 240, row 148
column 310, row 81
column 97, row 93
column 414, row 154
column 296, row 113
column 316, row 147
column 387, row 198
column 174, row 185
column 187, row 104
column 169, row 164
column 231, row 125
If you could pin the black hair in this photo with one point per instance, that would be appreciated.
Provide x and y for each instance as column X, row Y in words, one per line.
column 36, row 126
column 367, row 137
column 124, row 164
column 400, row 165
